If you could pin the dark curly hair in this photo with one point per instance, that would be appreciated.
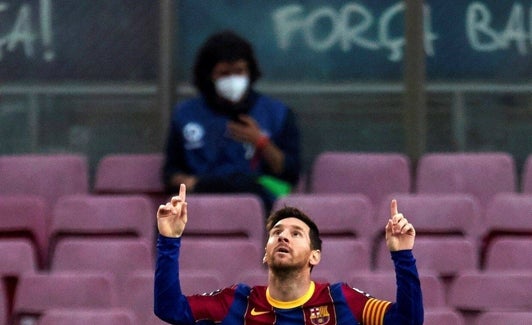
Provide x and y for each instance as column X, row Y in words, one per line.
column 291, row 212
column 223, row 46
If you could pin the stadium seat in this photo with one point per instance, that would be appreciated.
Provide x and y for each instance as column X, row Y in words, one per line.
column 125, row 173
column 120, row 257
column 526, row 178
column 226, row 217
column 481, row 174
column 139, row 296
column 18, row 256
column 504, row 317
column 25, row 217
column 109, row 316
column 340, row 257
column 507, row 215
column 373, row 174
column 382, row 285
column 446, row 256
column 226, row 260
column 37, row 293
column 509, row 253
column 494, row 290
column 106, row 215
column 443, row 316
column 437, row 214
column 49, row 176
column 337, row 215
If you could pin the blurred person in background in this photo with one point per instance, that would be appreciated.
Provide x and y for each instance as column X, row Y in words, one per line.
column 230, row 138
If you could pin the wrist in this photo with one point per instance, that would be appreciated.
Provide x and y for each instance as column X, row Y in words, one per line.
column 262, row 142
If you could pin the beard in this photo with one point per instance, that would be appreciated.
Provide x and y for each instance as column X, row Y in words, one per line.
column 285, row 269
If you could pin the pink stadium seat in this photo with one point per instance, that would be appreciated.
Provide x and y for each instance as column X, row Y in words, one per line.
column 25, row 217
column 110, row 316
column 106, row 215
column 509, row 253
column 337, row 215
column 226, row 217
column 492, row 290
column 480, row 174
column 50, row 176
column 373, row 174
column 443, row 316
column 37, row 293
column 139, row 296
column 437, row 214
column 18, row 256
column 446, row 256
column 227, row 260
column 526, row 178
column 120, row 257
column 509, row 213
column 131, row 174
column 340, row 257
column 382, row 285
column 501, row 317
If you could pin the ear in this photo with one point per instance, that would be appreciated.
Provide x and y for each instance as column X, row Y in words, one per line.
column 264, row 259
column 315, row 257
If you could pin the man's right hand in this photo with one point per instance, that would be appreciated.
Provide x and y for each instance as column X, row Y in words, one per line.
column 172, row 216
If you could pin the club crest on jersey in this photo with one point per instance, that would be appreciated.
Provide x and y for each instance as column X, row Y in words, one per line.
column 319, row 315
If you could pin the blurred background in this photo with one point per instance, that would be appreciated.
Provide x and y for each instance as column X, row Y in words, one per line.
column 99, row 77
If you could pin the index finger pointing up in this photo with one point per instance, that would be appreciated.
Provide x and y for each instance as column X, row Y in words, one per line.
column 183, row 192
column 393, row 208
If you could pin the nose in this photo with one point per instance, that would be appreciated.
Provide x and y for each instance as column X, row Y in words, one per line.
column 282, row 237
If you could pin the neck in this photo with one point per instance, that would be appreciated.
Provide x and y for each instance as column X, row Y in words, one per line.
column 288, row 286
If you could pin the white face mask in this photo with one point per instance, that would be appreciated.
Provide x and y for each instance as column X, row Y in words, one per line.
column 232, row 87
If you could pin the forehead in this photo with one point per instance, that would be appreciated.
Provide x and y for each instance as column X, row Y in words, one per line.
column 228, row 65
column 291, row 223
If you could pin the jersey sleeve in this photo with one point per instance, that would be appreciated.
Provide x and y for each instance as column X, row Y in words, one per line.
column 408, row 308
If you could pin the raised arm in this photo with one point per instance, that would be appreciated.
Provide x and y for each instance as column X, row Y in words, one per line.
column 400, row 234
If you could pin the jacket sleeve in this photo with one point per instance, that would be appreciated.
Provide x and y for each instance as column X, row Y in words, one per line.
column 408, row 308
column 288, row 141
column 174, row 160
column 169, row 302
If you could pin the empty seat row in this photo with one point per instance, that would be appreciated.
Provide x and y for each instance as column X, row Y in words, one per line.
column 481, row 174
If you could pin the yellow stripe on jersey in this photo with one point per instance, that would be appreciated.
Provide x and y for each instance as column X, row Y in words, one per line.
column 374, row 310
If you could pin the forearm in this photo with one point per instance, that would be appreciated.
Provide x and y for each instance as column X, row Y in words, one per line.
column 408, row 308
column 169, row 302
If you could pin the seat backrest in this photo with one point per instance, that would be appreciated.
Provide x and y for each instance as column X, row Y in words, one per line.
column 526, row 178
column 444, row 214
column 18, row 256
column 482, row 174
column 120, row 257
column 235, row 216
column 26, row 216
column 50, row 176
column 337, row 215
column 109, row 316
column 509, row 213
column 37, row 293
column 372, row 174
column 340, row 257
column 443, row 316
column 504, row 317
column 226, row 259
column 445, row 256
column 509, row 253
column 382, row 285
column 494, row 290
column 129, row 173
column 99, row 215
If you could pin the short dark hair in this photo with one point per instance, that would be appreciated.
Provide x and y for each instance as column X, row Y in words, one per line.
column 222, row 46
column 291, row 212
